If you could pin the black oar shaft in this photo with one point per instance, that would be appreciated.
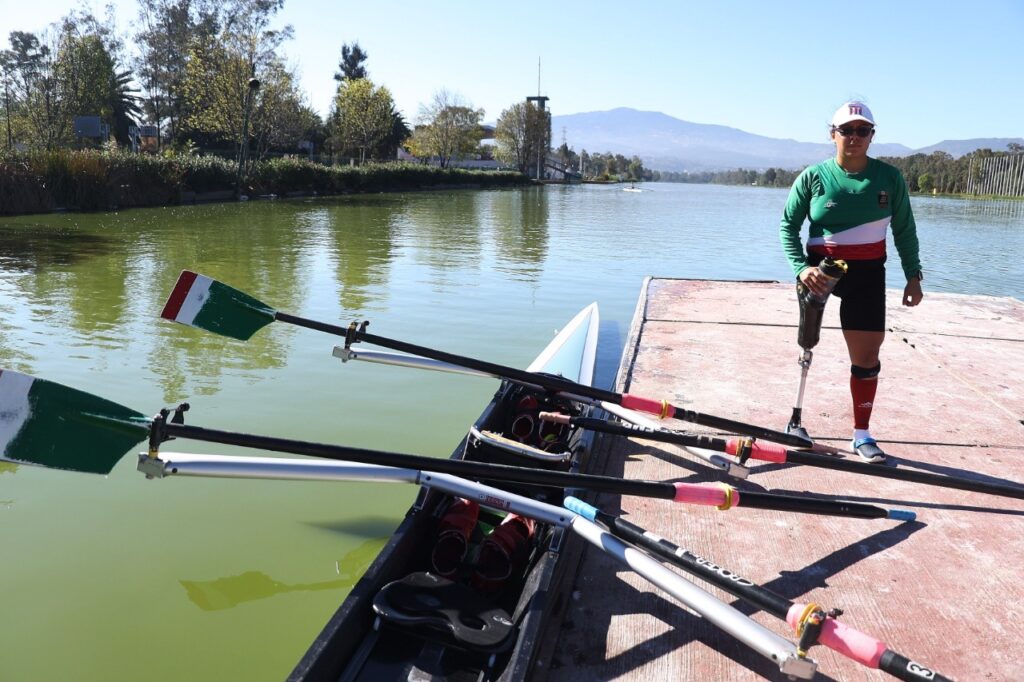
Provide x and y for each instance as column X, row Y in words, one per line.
column 909, row 670
column 552, row 383
column 549, row 382
column 688, row 439
column 734, row 584
column 777, row 454
column 903, row 474
column 810, row 505
column 464, row 468
column 739, row 427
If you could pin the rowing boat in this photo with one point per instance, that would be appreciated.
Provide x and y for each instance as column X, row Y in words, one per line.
column 449, row 598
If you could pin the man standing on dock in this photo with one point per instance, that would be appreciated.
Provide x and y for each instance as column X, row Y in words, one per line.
column 850, row 201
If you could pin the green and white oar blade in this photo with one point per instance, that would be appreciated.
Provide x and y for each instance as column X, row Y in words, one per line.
column 45, row 423
column 199, row 301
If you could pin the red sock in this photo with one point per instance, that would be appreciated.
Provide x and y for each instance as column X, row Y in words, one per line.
column 863, row 393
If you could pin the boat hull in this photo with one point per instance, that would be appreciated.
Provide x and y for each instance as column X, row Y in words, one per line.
column 356, row 645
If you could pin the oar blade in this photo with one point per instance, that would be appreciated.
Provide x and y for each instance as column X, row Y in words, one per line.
column 51, row 425
column 202, row 302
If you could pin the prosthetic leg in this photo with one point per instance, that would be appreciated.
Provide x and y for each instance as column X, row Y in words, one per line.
column 812, row 312
column 794, row 420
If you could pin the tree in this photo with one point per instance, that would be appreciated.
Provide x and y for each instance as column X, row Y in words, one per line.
column 41, row 112
column 247, row 32
column 351, row 65
column 361, row 117
column 281, row 118
column 523, row 135
column 399, row 133
column 168, row 31
column 924, row 182
column 86, row 74
column 7, row 65
column 215, row 93
column 447, row 128
column 124, row 105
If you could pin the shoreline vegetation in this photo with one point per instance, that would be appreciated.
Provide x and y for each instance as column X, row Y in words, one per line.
column 109, row 180
column 91, row 180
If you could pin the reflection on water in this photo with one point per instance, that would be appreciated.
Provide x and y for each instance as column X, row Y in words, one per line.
column 520, row 222
column 360, row 242
column 229, row 592
column 37, row 246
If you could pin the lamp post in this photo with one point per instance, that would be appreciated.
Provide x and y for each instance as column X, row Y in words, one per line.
column 243, row 151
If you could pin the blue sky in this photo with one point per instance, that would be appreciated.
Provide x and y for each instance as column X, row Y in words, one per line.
column 930, row 71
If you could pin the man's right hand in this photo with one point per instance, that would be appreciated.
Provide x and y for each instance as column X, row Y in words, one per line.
column 814, row 279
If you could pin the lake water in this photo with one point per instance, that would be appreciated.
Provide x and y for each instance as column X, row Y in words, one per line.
column 119, row 578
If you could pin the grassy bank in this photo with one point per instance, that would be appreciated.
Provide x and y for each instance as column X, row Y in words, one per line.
column 39, row 182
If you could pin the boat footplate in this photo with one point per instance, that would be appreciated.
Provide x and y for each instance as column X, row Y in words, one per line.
column 436, row 608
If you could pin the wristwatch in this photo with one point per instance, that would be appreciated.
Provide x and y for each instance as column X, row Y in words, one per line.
column 919, row 276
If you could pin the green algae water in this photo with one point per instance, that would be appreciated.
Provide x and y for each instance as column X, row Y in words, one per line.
column 118, row 578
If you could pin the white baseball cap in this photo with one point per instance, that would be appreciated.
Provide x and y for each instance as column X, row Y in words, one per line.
column 852, row 111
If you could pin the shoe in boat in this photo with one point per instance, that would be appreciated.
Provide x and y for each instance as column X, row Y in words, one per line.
column 503, row 553
column 453, row 534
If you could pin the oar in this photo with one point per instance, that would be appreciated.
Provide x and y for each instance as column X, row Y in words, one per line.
column 749, row 632
column 200, row 301
column 99, row 432
column 810, row 621
column 768, row 452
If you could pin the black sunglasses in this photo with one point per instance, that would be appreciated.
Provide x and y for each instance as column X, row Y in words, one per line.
column 860, row 131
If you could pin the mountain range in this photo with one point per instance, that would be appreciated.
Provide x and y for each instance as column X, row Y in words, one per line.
column 671, row 144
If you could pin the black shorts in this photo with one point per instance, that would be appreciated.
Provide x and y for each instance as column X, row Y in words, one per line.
column 862, row 291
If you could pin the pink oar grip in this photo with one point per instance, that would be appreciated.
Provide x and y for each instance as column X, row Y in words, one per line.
column 766, row 452
column 693, row 493
column 555, row 417
column 658, row 407
column 843, row 639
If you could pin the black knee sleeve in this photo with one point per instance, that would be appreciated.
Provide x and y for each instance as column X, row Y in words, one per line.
column 865, row 372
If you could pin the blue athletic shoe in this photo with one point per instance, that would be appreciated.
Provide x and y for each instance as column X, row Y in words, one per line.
column 868, row 450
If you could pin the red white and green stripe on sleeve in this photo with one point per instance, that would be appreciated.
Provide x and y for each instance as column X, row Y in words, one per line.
column 199, row 301
column 42, row 422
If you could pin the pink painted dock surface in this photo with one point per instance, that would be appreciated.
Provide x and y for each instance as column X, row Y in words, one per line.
column 946, row 591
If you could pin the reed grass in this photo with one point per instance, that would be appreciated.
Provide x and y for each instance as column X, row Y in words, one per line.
column 95, row 180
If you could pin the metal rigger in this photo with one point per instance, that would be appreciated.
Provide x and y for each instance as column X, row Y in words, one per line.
column 812, row 312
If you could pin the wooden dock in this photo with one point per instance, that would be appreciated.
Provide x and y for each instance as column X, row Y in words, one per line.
column 944, row 590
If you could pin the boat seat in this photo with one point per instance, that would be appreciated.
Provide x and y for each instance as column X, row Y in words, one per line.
column 436, row 608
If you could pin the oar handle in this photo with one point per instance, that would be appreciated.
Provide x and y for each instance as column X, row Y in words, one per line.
column 863, row 648
column 665, row 409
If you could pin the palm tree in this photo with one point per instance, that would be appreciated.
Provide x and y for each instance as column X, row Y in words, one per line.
column 124, row 105
column 388, row 147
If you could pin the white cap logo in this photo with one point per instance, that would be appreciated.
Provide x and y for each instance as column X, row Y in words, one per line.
column 852, row 111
